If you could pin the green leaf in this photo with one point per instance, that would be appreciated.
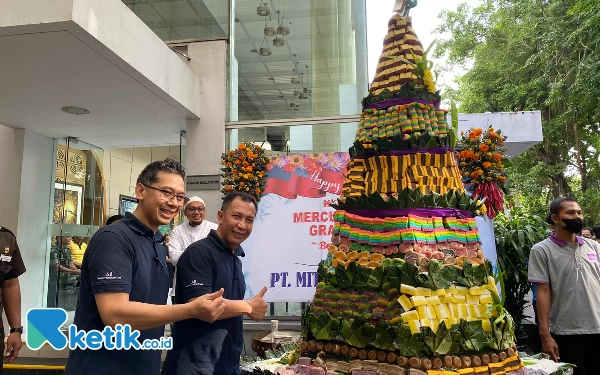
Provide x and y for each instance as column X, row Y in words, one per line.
column 385, row 336
column 322, row 272
column 375, row 278
column 323, row 326
column 343, row 280
column 393, row 274
column 408, row 274
column 473, row 337
column 358, row 332
column 447, row 340
column 361, row 277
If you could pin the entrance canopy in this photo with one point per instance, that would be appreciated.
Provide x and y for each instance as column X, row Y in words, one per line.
column 97, row 55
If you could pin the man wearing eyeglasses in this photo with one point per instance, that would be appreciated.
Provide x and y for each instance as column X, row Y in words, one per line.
column 195, row 229
column 125, row 279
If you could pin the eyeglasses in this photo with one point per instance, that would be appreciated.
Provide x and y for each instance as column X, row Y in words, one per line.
column 167, row 195
column 192, row 209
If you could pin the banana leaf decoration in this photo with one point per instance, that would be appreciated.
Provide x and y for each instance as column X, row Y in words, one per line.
column 453, row 136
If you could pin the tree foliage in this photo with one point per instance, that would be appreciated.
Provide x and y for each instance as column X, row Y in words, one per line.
column 518, row 55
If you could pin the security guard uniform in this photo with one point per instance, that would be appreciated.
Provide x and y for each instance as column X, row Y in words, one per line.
column 11, row 266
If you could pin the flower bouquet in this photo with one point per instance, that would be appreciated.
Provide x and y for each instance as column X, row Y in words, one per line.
column 481, row 158
column 244, row 169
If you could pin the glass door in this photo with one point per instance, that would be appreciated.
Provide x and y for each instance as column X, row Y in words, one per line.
column 78, row 210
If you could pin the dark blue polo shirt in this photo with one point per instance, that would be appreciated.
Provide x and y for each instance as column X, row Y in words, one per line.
column 202, row 348
column 122, row 257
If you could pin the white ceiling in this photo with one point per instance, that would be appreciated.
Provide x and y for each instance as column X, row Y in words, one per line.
column 42, row 72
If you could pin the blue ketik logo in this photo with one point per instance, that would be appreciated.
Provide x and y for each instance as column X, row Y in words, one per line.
column 43, row 325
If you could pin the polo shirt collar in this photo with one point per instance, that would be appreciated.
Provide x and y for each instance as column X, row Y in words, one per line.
column 218, row 241
column 137, row 226
column 562, row 243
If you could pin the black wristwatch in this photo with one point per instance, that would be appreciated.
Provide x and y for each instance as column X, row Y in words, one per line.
column 18, row 329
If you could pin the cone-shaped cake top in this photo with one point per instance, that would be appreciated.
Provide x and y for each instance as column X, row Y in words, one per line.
column 400, row 42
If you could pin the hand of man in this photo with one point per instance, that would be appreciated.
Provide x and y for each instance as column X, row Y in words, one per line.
column 13, row 346
column 209, row 307
column 258, row 305
column 549, row 347
column 77, row 272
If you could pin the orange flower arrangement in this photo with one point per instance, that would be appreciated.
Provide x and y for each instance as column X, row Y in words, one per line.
column 481, row 158
column 244, row 169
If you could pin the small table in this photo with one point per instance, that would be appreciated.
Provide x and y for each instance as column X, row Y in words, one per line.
column 261, row 347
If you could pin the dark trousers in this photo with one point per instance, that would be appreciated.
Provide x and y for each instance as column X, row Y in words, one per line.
column 580, row 350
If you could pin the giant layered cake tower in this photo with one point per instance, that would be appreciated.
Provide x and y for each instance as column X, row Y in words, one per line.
column 405, row 288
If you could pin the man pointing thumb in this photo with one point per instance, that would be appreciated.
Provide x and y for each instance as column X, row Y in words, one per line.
column 200, row 346
column 258, row 305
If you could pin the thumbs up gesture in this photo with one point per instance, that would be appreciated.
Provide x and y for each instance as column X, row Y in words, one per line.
column 258, row 305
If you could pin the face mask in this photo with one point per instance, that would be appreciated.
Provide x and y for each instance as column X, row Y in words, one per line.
column 573, row 225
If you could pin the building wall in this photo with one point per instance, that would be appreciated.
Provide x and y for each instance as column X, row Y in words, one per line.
column 11, row 153
column 34, row 213
column 122, row 167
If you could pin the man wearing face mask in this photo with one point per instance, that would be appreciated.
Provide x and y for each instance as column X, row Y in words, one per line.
column 566, row 272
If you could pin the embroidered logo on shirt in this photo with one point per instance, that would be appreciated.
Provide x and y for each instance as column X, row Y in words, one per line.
column 109, row 276
column 194, row 283
column 593, row 258
column 5, row 258
column 6, row 250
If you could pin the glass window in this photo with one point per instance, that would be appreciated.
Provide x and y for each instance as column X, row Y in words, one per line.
column 304, row 59
column 296, row 139
column 175, row 20
column 77, row 212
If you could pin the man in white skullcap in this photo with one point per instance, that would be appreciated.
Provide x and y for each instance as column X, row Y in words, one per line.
column 194, row 229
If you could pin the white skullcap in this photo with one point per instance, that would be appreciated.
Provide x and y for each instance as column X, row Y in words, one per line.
column 195, row 199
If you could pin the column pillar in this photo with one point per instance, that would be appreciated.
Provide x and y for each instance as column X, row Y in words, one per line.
column 205, row 137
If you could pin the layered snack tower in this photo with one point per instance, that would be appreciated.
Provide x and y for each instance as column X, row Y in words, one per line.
column 405, row 288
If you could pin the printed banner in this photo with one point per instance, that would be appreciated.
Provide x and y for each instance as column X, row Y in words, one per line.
column 294, row 224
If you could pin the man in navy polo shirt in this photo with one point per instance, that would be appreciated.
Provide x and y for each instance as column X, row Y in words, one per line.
column 124, row 279
column 208, row 265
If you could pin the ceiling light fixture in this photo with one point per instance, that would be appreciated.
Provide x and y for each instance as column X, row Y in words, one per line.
column 75, row 110
column 265, row 50
column 269, row 29
column 282, row 28
column 263, row 10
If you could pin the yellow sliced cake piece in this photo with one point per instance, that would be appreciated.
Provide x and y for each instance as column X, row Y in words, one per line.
column 453, row 308
column 407, row 289
column 410, row 316
column 487, row 325
column 474, row 300
column 462, row 290
column 460, row 298
column 425, row 292
column 425, row 323
column 462, row 311
column 430, row 310
column 451, row 289
column 405, row 302
column 418, row 300
column 485, row 299
column 447, row 298
column 422, row 311
column 475, row 291
column 438, row 292
column 435, row 300
column 415, row 326
column 472, row 311
column 441, row 311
